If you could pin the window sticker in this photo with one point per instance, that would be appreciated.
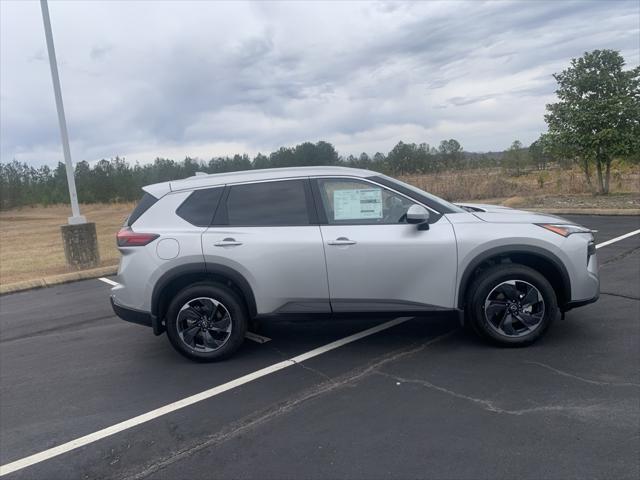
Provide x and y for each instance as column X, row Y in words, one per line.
column 357, row 204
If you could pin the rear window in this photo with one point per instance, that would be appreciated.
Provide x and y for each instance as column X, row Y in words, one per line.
column 143, row 205
column 268, row 204
column 200, row 207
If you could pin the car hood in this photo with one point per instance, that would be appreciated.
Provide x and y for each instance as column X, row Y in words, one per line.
column 500, row 214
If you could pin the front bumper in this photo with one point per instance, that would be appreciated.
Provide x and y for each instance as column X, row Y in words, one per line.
column 579, row 303
column 585, row 282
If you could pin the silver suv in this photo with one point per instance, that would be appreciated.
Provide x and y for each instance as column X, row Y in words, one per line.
column 204, row 256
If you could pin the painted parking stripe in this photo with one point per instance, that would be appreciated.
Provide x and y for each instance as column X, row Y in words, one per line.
column 185, row 402
column 617, row 239
column 108, row 281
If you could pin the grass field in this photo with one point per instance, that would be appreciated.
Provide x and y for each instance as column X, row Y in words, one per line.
column 495, row 183
column 31, row 244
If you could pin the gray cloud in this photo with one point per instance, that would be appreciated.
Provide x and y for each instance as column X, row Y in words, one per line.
column 209, row 78
column 98, row 52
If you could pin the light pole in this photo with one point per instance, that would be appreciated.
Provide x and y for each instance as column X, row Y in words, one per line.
column 76, row 218
column 79, row 237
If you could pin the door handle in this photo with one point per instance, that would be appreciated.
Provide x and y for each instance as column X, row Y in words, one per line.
column 227, row 242
column 342, row 241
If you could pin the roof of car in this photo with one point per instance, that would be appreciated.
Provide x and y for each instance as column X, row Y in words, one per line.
column 215, row 179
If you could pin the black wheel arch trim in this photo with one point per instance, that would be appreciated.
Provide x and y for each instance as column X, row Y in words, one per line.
column 513, row 249
column 204, row 269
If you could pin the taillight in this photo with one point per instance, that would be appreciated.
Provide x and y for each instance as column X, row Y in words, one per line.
column 128, row 238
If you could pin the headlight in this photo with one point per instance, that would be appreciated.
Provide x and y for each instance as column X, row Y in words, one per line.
column 564, row 230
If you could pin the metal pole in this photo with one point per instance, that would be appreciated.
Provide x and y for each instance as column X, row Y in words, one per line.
column 75, row 209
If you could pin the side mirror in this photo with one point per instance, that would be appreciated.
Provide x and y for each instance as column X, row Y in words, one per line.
column 418, row 215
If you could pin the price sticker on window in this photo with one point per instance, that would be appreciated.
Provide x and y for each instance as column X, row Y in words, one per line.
column 359, row 204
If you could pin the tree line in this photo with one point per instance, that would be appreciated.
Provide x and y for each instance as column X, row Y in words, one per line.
column 116, row 179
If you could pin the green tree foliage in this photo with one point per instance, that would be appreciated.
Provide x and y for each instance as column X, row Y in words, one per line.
column 539, row 153
column 406, row 158
column 451, row 152
column 597, row 117
column 516, row 158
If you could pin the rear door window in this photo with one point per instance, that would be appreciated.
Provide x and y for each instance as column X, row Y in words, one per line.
column 280, row 203
column 200, row 207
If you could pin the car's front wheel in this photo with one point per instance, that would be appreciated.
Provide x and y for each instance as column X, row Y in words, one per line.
column 206, row 322
column 511, row 305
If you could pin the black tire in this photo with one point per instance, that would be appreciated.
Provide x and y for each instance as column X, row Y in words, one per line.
column 230, row 341
column 487, row 291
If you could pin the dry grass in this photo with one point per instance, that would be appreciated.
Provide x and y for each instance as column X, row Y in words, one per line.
column 514, row 202
column 31, row 242
column 494, row 183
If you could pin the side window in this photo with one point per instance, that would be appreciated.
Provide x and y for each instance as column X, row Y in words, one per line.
column 199, row 207
column 349, row 201
column 143, row 205
column 268, row 204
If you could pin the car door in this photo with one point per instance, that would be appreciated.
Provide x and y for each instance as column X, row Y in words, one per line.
column 375, row 260
column 268, row 233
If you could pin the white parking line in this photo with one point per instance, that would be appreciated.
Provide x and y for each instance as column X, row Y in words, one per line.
column 110, row 282
column 185, row 402
column 617, row 239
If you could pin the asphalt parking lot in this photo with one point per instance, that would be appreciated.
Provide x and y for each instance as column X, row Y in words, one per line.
column 418, row 399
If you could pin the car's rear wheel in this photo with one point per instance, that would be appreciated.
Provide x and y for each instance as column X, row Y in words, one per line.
column 511, row 305
column 206, row 322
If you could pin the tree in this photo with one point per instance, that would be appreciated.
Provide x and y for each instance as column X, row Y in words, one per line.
column 516, row 158
column 283, row 157
column 261, row 161
column 451, row 153
column 404, row 158
column 364, row 161
column 597, row 116
column 539, row 152
column 326, row 154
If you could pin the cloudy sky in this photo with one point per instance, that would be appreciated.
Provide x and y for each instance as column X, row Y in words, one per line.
column 174, row 78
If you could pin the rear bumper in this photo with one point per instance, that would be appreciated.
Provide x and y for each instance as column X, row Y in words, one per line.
column 138, row 316
column 132, row 315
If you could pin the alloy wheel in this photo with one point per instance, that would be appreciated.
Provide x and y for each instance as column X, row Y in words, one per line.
column 204, row 324
column 514, row 308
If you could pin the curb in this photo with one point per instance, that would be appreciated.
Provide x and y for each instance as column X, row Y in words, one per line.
column 57, row 279
column 586, row 211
